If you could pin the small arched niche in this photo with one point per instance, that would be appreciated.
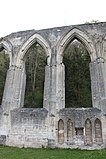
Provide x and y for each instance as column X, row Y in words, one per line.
column 98, row 131
column 35, row 62
column 69, row 131
column 4, row 65
column 88, row 132
column 76, row 59
column 60, row 131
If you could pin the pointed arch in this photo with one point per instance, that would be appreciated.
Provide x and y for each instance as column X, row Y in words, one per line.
column 69, row 37
column 60, row 131
column 88, row 132
column 69, row 131
column 6, row 44
column 98, row 131
column 34, row 38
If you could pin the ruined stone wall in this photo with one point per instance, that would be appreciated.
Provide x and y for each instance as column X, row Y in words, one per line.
column 54, row 125
column 29, row 128
column 85, row 128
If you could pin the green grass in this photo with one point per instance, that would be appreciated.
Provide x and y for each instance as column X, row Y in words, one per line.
column 31, row 153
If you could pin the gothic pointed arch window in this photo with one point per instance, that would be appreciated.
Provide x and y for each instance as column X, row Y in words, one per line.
column 35, row 62
column 76, row 59
column 88, row 132
column 60, row 131
column 98, row 131
column 69, row 131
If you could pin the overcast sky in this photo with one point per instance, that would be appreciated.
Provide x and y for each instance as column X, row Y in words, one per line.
column 18, row 15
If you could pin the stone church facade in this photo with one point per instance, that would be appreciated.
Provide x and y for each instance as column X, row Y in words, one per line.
column 54, row 125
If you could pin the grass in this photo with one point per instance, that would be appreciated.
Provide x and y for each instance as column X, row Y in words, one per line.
column 31, row 153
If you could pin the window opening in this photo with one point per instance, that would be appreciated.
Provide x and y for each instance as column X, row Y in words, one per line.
column 77, row 75
column 35, row 75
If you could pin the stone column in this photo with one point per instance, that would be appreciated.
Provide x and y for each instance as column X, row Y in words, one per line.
column 21, row 87
column 103, row 104
column 54, row 90
column 13, row 96
column 97, row 84
column 60, row 86
column 52, row 98
column 6, row 100
column 46, row 88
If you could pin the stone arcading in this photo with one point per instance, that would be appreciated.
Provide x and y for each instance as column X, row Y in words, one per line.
column 54, row 125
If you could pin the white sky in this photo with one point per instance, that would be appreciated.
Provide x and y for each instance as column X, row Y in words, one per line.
column 18, row 15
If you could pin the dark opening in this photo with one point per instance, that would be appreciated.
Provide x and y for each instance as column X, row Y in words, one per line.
column 35, row 75
column 77, row 75
column 4, row 65
column 79, row 131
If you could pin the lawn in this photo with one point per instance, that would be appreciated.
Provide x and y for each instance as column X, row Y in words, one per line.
column 31, row 153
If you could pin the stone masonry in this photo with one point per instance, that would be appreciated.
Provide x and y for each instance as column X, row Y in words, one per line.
column 54, row 125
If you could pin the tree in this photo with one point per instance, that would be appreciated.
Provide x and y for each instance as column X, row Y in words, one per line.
column 77, row 76
column 4, row 64
column 35, row 71
column 92, row 21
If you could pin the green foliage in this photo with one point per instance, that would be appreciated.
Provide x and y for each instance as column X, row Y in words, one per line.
column 31, row 153
column 35, row 71
column 4, row 64
column 77, row 83
column 92, row 21
column 77, row 75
